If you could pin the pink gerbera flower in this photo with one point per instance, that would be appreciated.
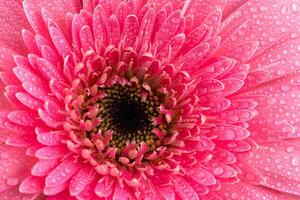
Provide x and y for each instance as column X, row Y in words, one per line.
column 157, row 99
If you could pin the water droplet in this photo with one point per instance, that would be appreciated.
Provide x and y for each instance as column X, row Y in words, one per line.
column 253, row 9
column 218, row 171
column 278, row 184
column 263, row 8
column 232, row 145
column 67, row 170
column 284, row 9
column 295, row 7
column 290, row 149
column 234, row 196
column 285, row 88
column 294, row 36
column 12, row 181
column 283, row 29
column 295, row 161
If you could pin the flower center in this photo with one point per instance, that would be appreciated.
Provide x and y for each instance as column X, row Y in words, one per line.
column 130, row 117
column 117, row 117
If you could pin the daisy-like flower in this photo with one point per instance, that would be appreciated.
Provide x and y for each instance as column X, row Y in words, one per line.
column 158, row 99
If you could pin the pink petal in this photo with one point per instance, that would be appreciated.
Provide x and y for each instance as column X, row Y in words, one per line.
column 12, row 21
column 229, row 132
column 223, row 171
column 213, row 43
column 53, row 190
column 279, row 119
column 15, row 165
column 243, row 104
column 25, row 63
column 224, row 156
column 49, row 70
column 86, row 38
column 105, row 187
column 213, row 20
column 168, row 29
column 42, row 167
column 248, row 191
column 215, row 69
column 243, row 52
column 14, row 194
column 201, row 8
column 146, row 28
column 18, row 128
column 236, row 116
column 10, row 94
column 120, row 193
column 31, row 185
column 183, row 189
column 194, row 56
column 29, row 100
column 3, row 118
column 231, row 85
column 8, row 78
column 281, row 58
column 62, row 45
column 131, row 28
column 48, row 120
column 38, row 91
column 62, row 173
column 174, row 45
column 251, row 174
column 26, row 76
column 287, row 17
column 55, row 110
column 201, row 176
column 58, row 9
column 194, row 37
column 232, row 5
column 51, row 152
column 51, row 138
column 217, row 105
column 88, row 192
column 21, row 141
column 234, row 146
column 22, row 117
column 121, row 14
column 239, row 71
column 81, row 179
column 255, row 77
column 29, row 41
column 113, row 30
column 210, row 86
column 49, row 54
column 99, row 19
column 166, row 191
column 282, row 172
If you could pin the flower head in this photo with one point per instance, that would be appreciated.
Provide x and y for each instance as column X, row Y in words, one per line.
column 150, row 100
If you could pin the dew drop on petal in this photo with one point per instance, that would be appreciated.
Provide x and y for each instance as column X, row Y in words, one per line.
column 295, row 7
column 290, row 149
column 272, row 149
column 295, row 161
column 253, row 9
column 284, row 9
column 218, row 171
column 12, row 181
